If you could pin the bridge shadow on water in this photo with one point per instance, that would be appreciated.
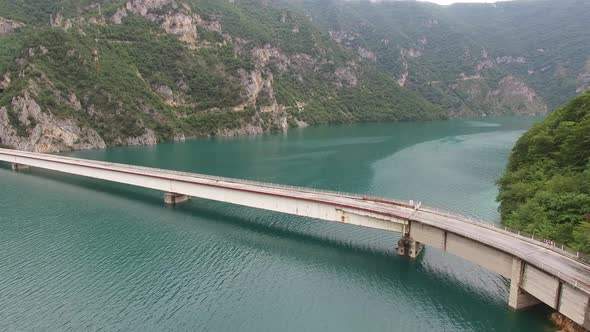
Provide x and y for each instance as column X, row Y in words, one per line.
column 330, row 245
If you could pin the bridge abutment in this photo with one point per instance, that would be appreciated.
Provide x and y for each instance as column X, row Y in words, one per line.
column 406, row 246
column 18, row 167
column 173, row 199
column 519, row 298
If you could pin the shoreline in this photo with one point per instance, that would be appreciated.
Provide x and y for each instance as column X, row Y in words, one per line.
column 285, row 132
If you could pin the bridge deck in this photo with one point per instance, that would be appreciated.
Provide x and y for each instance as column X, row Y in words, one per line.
column 569, row 270
column 565, row 268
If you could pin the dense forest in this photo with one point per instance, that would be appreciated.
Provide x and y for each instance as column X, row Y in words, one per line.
column 546, row 188
column 77, row 74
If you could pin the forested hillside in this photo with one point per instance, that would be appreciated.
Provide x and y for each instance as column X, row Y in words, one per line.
column 77, row 74
column 546, row 188
column 508, row 57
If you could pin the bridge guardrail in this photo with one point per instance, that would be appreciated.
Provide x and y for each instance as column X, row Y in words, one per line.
column 548, row 244
column 568, row 252
column 409, row 204
column 572, row 281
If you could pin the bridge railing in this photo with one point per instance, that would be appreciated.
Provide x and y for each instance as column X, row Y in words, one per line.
column 408, row 204
column 530, row 238
column 537, row 240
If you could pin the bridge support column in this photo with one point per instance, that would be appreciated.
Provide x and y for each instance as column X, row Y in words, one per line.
column 172, row 198
column 406, row 246
column 519, row 299
column 17, row 167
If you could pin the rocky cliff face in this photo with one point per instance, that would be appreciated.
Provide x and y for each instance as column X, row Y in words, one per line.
column 26, row 127
column 148, row 138
column 257, row 83
column 8, row 26
column 513, row 94
column 509, row 96
column 479, row 93
column 178, row 20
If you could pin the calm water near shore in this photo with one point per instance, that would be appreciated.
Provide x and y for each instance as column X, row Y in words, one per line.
column 81, row 254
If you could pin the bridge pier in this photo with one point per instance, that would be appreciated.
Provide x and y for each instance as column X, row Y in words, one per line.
column 519, row 298
column 173, row 199
column 406, row 246
column 17, row 167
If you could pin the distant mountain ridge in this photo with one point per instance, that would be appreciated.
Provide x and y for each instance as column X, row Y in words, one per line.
column 79, row 74
column 534, row 55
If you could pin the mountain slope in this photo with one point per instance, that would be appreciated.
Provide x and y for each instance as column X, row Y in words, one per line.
column 546, row 188
column 142, row 71
column 79, row 74
column 508, row 57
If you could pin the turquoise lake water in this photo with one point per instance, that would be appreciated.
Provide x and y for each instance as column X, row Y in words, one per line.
column 81, row 254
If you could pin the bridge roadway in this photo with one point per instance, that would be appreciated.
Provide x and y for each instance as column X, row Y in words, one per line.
column 538, row 272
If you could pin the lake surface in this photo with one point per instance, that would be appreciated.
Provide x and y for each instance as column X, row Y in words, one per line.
column 81, row 254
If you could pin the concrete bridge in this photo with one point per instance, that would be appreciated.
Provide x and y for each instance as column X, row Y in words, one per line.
column 539, row 273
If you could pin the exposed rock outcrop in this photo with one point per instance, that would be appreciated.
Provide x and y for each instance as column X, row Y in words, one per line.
column 510, row 95
column 344, row 37
column 510, row 59
column 489, row 62
column 143, row 7
column 58, row 21
column 44, row 132
column 175, row 18
column 258, row 126
column 405, row 74
column 5, row 81
column 405, row 53
column 565, row 324
column 244, row 79
column 485, row 64
column 346, row 76
column 253, row 84
column 9, row 26
column 167, row 94
column 411, row 52
column 148, row 138
column 179, row 137
column 245, row 130
column 182, row 26
column 264, row 55
column 212, row 25
column 119, row 15
column 301, row 124
column 515, row 95
column 366, row 54
column 511, row 86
